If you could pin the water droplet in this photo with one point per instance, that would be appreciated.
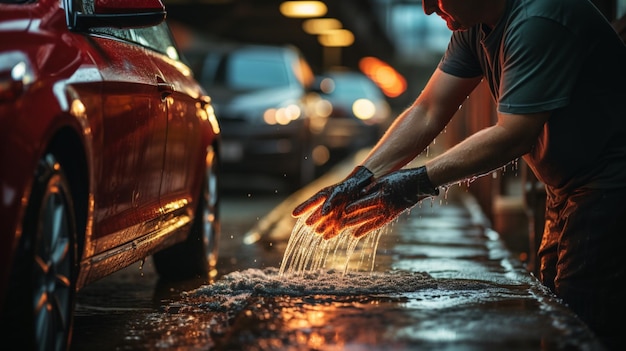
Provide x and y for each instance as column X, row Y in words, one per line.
column 141, row 263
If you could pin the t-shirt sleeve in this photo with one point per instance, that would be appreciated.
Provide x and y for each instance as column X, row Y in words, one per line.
column 460, row 58
column 539, row 71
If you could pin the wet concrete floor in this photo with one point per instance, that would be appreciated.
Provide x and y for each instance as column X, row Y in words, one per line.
column 474, row 296
column 441, row 280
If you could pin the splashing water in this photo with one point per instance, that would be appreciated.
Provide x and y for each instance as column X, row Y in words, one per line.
column 238, row 286
column 309, row 251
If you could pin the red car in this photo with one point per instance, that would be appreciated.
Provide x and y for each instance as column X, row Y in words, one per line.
column 108, row 154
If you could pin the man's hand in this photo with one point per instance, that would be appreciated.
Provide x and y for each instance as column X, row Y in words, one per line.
column 387, row 198
column 330, row 202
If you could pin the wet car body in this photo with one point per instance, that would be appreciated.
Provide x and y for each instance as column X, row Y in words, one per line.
column 262, row 95
column 359, row 113
column 108, row 154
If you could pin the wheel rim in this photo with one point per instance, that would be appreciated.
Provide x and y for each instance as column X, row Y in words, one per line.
column 52, row 268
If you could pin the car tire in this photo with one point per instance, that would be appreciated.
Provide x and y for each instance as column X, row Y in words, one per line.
column 39, row 309
column 197, row 256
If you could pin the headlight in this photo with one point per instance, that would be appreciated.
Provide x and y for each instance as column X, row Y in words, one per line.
column 282, row 115
column 363, row 109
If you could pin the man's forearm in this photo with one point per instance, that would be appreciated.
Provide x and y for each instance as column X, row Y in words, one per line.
column 407, row 137
column 477, row 155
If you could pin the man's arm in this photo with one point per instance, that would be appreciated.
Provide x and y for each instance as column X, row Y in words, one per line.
column 418, row 125
column 482, row 152
column 512, row 137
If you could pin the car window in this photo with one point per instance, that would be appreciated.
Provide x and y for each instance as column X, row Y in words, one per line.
column 348, row 87
column 355, row 88
column 208, row 68
column 157, row 38
column 243, row 70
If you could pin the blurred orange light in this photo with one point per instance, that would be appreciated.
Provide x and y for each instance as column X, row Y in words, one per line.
column 321, row 155
column 327, row 85
column 269, row 116
column 336, row 38
column 323, row 108
column 320, row 25
column 386, row 77
column 303, row 9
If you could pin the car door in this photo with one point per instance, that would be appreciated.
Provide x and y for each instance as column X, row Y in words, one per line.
column 133, row 140
column 183, row 152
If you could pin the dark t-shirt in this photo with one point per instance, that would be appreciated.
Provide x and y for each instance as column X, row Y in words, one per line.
column 561, row 56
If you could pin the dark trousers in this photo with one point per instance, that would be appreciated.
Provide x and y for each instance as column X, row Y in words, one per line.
column 583, row 257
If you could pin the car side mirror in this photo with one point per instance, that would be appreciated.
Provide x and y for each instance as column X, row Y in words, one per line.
column 119, row 14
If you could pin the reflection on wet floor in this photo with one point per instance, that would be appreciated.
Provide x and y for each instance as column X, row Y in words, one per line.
column 259, row 310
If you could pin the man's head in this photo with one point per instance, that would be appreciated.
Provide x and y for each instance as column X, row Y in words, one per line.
column 463, row 14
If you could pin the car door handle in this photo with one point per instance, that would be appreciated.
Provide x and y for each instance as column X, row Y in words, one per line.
column 166, row 89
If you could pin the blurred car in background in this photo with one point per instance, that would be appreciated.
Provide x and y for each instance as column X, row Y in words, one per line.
column 108, row 154
column 262, row 95
column 357, row 110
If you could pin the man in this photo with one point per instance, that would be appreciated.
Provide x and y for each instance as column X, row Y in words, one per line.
column 557, row 72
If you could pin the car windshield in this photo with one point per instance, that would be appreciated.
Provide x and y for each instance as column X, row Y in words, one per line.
column 354, row 88
column 245, row 71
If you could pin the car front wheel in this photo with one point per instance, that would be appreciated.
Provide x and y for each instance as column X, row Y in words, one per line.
column 40, row 303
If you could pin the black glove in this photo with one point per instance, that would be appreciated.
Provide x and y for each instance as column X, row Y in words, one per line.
column 333, row 199
column 387, row 198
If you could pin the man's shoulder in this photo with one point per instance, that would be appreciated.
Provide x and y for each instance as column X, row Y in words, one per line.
column 561, row 11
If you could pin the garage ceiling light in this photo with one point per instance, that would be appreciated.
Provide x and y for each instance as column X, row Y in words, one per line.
column 336, row 38
column 303, row 9
column 320, row 25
